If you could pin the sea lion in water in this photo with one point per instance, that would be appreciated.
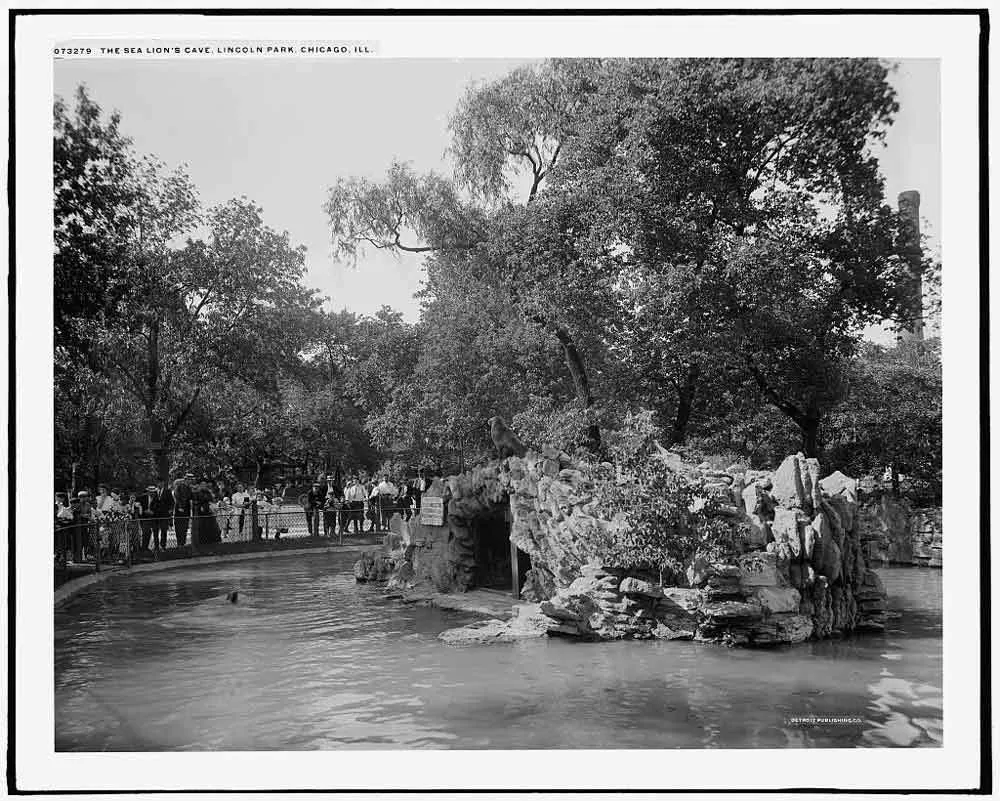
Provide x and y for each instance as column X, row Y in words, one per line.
column 233, row 597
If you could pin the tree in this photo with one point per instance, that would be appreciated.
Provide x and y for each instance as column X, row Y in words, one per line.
column 891, row 418
column 98, row 430
column 200, row 310
column 516, row 125
column 499, row 129
column 93, row 191
column 477, row 358
column 211, row 350
column 386, row 349
column 755, row 180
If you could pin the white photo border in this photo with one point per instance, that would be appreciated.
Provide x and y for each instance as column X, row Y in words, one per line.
column 952, row 38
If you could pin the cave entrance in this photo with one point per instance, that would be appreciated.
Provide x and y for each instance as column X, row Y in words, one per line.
column 496, row 558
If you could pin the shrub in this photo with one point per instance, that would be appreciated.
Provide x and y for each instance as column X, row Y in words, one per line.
column 659, row 526
column 562, row 425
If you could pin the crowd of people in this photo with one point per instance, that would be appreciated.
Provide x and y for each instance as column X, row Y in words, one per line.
column 111, row 525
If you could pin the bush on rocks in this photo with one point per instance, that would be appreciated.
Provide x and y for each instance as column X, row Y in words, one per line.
column 768, row 558
column 662, row 517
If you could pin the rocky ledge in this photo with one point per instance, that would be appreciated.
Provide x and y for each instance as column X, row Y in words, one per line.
column 803, row 573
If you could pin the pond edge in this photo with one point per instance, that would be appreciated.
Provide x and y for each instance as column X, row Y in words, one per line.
column 74, row 587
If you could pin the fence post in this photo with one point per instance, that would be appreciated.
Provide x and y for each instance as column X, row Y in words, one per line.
column 97, row 550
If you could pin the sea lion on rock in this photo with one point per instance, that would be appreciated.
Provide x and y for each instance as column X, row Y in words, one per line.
column 505, row 440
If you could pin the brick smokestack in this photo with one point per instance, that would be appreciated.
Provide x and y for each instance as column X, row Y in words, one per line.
column 910, row 249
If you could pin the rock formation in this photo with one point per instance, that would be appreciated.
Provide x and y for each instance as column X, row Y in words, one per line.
column 802, row 571
column 895, row 533
column 441, row 557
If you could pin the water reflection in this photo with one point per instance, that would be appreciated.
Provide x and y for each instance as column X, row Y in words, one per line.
column 311, row 660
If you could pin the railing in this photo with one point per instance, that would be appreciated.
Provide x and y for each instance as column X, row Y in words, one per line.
column 120, row 541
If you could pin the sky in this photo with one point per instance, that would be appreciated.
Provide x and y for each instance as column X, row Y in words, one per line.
column 282, row 132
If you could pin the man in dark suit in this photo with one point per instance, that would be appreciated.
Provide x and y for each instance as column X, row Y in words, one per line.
column 183, row 495
column 146, row 503
column 314, row 499
column 162, row 508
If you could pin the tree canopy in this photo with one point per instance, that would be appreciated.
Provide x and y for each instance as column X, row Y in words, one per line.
column 684, row 228
column 696, row 242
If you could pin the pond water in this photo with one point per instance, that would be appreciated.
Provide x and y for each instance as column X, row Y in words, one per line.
column 310, row 660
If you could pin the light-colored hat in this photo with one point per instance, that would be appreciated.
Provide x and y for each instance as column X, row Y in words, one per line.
column 151, row 488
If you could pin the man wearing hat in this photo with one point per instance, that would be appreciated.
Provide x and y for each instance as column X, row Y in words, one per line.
column 162, row 508
column 83, row 512
column 147, row 502
column 354, row 504
column 332, row 511
column 315, row 498
column 183, row 495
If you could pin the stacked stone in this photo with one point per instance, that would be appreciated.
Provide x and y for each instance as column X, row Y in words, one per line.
column 605, row 604
column 555, row 519
column 724, row 487
column 818, row 548
column 443, row 557
column 885, row 531
column 805, row 575
column 374, row 566
column 925, row 537
column 892, row 532
column 749, row 603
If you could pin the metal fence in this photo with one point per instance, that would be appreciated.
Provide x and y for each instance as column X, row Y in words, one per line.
column 120, row 540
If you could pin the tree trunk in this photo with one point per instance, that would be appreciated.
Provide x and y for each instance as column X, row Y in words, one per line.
column 809, row 426
column 157, row 448
column 808, row 421
column 581, row 383
column 98, row 476
column 685, row 404
column 156, row 434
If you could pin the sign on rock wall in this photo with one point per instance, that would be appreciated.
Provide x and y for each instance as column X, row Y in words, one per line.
column 432, row 511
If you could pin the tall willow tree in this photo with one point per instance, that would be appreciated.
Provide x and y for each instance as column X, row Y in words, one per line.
column 492, row 223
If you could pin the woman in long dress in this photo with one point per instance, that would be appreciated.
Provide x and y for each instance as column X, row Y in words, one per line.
column 208, row 524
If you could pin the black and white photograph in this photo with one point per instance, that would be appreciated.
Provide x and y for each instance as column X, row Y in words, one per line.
column 415, row 390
